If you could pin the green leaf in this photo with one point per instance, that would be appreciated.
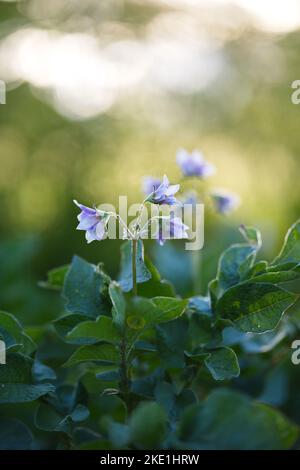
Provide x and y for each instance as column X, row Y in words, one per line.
column 171, row 339
column 276, row 277
column 142, row 273
column 173, row 403
column 228, row 420
column 14, row 435
column 66, row 323
column 12, row 333
column 90, row 332
column 55, row 278
column 49, row 419
column 145, row 386
column 119, row 304
column 222, row 363
column 16, row 381
column 158, row 309
column 251, row 235
column 109, row 376
column 290, row 251
column 101, row 353
column 233, row 264
column 203, row 331
column 148, row 425
column 156, row 285
column 42, row 372
column 254, row 307
column 258, row 268
column 86, row 289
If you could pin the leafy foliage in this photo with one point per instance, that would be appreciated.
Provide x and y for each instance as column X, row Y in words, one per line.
column 113, row 361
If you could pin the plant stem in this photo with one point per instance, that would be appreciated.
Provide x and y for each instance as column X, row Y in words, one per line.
column 134, row 252
column 124, row 373
column 197, row 271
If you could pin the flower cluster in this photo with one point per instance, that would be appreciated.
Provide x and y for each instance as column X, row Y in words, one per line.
column 194, row 165
column 160, row 192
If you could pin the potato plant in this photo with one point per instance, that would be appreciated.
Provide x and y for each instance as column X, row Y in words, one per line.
column 129, row 364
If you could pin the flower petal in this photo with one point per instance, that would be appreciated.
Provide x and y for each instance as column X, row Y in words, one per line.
column 87, row 222
column 85, row 209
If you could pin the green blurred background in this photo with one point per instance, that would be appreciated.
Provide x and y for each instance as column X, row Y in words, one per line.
column 101, row 93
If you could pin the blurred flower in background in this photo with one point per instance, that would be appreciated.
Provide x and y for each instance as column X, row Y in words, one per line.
column 193, row 164
column 225, row 201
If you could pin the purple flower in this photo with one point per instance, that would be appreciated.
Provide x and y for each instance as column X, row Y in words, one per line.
column 164, row 194
column 171, row 228
column 150, row 184
column 93, row 221
column 225, row 201
column 193, row 164
column 190, row 198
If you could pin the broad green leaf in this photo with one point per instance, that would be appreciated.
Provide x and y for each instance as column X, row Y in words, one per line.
column 109, row 376
column 90, row 332
column 172, row 402
column 55, row 278
column 284, row 267
column 119, row 304
column 158, row 309
column 13, row 335
column 67, row 397
column 148, row 426
column 251, row 235
column 276, row 277
column 113, row 407
column 86, row 289
column 142, row 273
column 171, row 308
column 203, row 332
column 233, row 265
column 48, row 419
column 290, row 252
column 171, row 343
column 118, row 434
column 254, row 307
column 228, row 420
column 66, row 323
column 156, row 286
column 222, row 363
column 16, row 381
column 101, row 353
column 145, row 386
column 14, row 435
column 259, row 343
column 42, row 372
column 258, row 268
